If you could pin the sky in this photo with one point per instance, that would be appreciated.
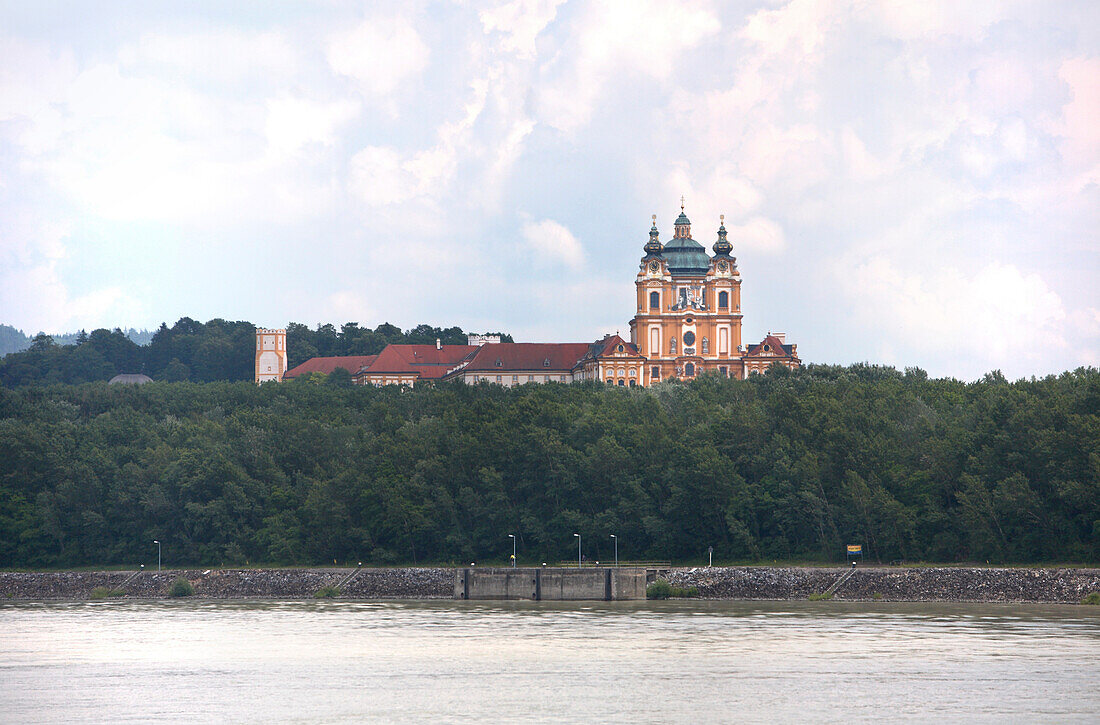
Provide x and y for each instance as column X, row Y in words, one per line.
column 904, row 183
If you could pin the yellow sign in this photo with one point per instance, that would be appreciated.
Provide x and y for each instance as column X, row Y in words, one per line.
column 855, row 548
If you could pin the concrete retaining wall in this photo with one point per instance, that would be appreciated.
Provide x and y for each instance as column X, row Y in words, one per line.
column 553, row 585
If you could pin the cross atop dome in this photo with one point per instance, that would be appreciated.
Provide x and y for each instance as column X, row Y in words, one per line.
column 683, row 224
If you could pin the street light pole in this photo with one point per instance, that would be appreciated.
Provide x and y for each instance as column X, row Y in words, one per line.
column 513, row 538
column 616, row 550
column 578, row 550
column 158, row 553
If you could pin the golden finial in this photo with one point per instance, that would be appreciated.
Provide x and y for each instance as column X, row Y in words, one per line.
column 654, row 220
column 722, row 217
column 681, row 202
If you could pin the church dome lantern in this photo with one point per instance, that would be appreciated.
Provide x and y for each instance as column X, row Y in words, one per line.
column 684, row 255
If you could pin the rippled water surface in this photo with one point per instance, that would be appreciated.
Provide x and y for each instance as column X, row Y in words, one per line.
column 544, row 662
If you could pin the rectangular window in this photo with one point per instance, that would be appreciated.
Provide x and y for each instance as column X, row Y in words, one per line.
column 498, row 379
column 515, row 378
column 563, row 378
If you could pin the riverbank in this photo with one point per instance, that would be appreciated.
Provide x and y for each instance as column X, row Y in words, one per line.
column 902, row 584
column 893, row 584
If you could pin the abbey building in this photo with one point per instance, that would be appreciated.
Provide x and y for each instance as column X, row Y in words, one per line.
column 687, row 323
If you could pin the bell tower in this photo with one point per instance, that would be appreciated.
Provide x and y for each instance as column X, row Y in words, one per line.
column 270, row 355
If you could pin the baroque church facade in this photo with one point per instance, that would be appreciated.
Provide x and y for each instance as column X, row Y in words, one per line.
column 687, row 323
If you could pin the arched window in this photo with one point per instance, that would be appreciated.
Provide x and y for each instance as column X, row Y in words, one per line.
column 723, row 299
column 706, row 346
column 622, row 383
column 672, row 345
column 654, row 300
column 689, row 370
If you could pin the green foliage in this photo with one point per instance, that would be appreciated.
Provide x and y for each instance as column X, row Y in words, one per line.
column 326, row 592
column 820, row 597
column 659, row 589
column 181, row 588
column 877, row 596
column 106, row 592
column 1093, row 598
column 775, row 467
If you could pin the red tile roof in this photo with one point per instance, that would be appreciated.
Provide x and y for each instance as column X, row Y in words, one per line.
column 427, row 360
column 778, row 348
column 609, row 346
column 514, row 356
column 326, row 365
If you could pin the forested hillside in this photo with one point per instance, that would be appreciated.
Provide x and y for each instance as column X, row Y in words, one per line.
column 782, row 466
column 200, row 352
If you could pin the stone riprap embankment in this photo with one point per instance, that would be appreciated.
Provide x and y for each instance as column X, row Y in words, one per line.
column 908, row 584
column 397, row 583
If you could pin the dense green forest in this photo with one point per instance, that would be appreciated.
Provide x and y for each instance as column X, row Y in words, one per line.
column 781, row 466
column 199, row 352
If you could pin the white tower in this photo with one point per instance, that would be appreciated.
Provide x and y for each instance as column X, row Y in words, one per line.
column 270, row 355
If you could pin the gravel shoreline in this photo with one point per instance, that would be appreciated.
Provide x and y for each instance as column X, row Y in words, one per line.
column 893, row 584
column 899, row 584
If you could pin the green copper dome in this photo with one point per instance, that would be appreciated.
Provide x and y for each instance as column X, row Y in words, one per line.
column 684, row 256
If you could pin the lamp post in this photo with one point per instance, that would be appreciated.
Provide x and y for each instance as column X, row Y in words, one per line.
column 616, row 550
column 578, row 550
column 155, row 541
column 513, row 538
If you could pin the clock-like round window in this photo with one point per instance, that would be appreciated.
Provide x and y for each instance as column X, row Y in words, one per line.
column 689, row 338
column 689, row 320
column 722, row 266
column 654, row 266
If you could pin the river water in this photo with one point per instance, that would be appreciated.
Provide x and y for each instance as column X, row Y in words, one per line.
column 444, row 661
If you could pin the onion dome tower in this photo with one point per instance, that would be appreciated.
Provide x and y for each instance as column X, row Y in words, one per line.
column 722, row 247
column 653, row 247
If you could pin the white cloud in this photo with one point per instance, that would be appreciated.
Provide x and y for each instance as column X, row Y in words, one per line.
column 347, row 305
column 758, row 234
column 33, row 294
column 521, row 22
column 1080, row 122
column 219, row 55
column 615, row 38
column 294, row 122
column 552, row 241
column 995, row 317
column 380, row 175
column 380, row 54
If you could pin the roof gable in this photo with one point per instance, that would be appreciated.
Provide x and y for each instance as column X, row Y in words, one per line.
column 776, row 348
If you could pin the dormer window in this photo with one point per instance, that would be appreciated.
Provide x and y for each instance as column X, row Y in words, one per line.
column 500, row 364
column 546, row 363
column 619, row 348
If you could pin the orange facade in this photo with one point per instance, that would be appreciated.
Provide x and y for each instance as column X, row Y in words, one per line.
column 688, row 309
